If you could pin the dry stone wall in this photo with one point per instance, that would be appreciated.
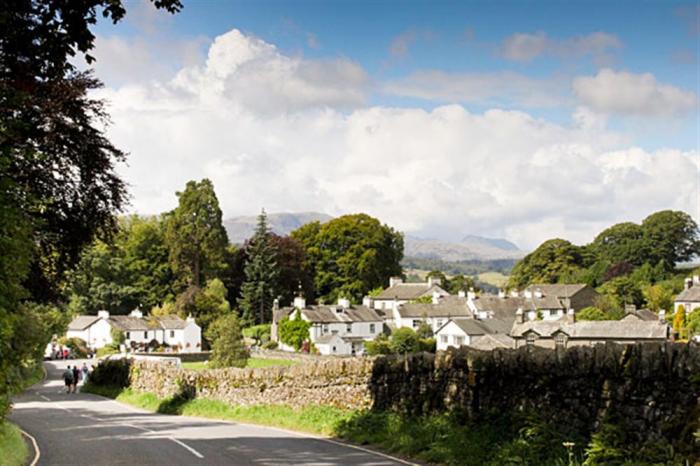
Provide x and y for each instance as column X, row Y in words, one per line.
column 341, row 383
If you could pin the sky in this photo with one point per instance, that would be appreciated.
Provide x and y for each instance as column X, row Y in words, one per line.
column 518, row 120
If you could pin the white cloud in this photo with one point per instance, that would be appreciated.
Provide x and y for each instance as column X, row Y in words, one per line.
column 443, row 173
column 503, row 88
column 621, row 92
column 526, row 47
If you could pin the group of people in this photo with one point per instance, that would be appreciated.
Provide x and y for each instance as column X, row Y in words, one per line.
column 71, row 376
column 60, row 353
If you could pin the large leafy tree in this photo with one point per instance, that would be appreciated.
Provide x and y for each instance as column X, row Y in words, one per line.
column 292, row 269
column 195, row 234
column 350, row 255
column 261, row 276
column 554, row 261
column 672, row 237
column 228, row 348
column 621, row 243
column 58, row 184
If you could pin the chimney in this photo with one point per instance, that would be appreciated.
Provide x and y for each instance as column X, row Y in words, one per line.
column 513, row 293
column 367, row 301
column 662, row 315
column 299, row 302
column 538, row 294
column 434, row 281
column 520, row 316
column 501, row 294
column 395, row 281
column 190, row 319
column 436, row 297
column 688, row 283
column 572, row 315
column 136, row 313
column 696, row 280
column 528, row 293
column 344, row 303
column 471, row 294
column 461, row 294
column 103, row 314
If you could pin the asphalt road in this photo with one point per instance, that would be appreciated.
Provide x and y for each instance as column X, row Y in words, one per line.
column 83, row 429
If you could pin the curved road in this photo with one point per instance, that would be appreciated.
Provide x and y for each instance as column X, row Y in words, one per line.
column 84, row 429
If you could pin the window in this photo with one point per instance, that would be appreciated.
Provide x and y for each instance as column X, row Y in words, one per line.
column 128, row 335
column 334, row 332
column 348, row 328
column 172, row 334
column 416, row 323
column 324, row 329
column 145, row 335
column 439, row 323
column 371, row 328
column 459, row 341
column 530, row 339
column 443, row 338
column 334, row 349
column 560, row 340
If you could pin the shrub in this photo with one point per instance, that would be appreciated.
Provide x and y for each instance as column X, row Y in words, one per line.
column 591, row 313
column 76, row 345
column 259, row 333
column 380, row 345
column 294, row 332
column 111, row 373
column 228, row 349
column 424, row 330
column 270, row 345
column 428, row 345
column 404, row 340
column 106, row 350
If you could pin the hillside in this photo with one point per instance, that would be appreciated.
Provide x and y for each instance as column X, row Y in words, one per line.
column 468, row 249
column 241, row 228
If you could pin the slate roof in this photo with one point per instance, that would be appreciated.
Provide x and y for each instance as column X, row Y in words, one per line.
column 642, row 314
column 448, row 306
column 557, row 290
column 596, row 329
column 482, row 326
column 82, row 322
column 170, row 322
column 492, row 341
column 692, row 294
column 409, row 291
column 129, row 323
column 327, row 338
column 326, row 314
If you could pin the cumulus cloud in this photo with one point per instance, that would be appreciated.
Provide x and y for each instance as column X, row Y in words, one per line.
column 526, row 47
column 494, row 88
column 621, row 92
column 441, row 173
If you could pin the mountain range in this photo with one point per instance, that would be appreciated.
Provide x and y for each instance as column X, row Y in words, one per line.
column 471, row 247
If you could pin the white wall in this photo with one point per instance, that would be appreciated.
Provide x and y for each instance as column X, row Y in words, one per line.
column 192, row 335
column 335, row 346
column 449, row 335
column 689, row 306
column 97, row 335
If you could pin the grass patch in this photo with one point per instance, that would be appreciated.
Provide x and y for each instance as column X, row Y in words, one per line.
column 252, row 362
column 493, row 278
column 12, row 446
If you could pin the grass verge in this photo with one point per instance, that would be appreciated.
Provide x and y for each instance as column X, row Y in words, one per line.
column 252, row 362
column 12, row 446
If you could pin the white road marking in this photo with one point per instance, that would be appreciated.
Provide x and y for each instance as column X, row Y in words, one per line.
column 45, row 397
column 36, row 448
column 187, row 447
column 366, row 450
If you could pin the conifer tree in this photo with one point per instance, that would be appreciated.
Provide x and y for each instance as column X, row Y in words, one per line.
column 261, row 274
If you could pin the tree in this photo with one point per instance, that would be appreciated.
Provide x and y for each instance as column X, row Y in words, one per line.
column 624, row 290
column 672, row 237
column 209, row 304
column 380, row 345
column 424, row 330
column 693, row 323
column 658, row 298
column 404, row 340
column 591, row 313
column 195, row 235
column 460, row 283
column 261, row 273
column 228, row 349
column 679, row 321
column 350, row 255
column 292, row 272
column 551, row 262
column 295, row 331
column 622, row 243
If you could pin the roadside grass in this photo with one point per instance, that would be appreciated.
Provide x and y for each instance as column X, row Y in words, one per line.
column 12, row 446
column 252, row 362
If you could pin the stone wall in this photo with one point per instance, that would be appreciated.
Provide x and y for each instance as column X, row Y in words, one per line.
column 341, row 383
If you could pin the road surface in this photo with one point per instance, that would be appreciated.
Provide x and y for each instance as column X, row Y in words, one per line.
column 83, row 429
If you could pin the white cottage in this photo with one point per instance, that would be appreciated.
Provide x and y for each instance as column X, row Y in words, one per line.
column 480, row 334
column 340, row 329
column 399, row 293
column 184, row 334
column 689, row 298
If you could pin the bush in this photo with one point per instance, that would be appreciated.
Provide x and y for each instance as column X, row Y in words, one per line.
column 380, row 345
column 77, row 346
column 591, row 313
column 259, row 333
column 404, row 340
column 424, row 330
column 111, row 373
column 106, row 350
column 228, row 349
column 428, row 345
column 270, row 345
column 294, row 332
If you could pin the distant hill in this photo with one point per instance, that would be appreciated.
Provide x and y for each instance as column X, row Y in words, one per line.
column 470, row 248
column 241, row 228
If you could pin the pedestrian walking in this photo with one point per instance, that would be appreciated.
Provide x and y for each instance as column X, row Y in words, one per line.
column 84, row 372
column 68, row 378
column 76, row 378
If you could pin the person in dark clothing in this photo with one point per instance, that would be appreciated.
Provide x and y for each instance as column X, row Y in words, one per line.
column 76, row 377
column 68, row 378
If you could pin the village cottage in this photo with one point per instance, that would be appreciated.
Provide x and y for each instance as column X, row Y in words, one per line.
column 339, row 329
column 480, row 334
column 400, row 293
column 689, row 298
column 173, row 331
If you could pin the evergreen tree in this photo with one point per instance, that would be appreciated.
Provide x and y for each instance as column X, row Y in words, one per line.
column 261, row 274
column 228, row 348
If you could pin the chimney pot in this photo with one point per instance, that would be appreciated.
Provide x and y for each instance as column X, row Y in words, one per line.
column 344, row 303
column 395, row 281
column 103, row 314
column 501, row 294
column 436, row 297
column 461, row 294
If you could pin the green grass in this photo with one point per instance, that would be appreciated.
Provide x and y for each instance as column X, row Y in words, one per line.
column 12, row 446
column 493, row 278
column 252, row 362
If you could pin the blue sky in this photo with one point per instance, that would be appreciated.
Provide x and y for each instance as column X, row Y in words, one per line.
column 588, row 78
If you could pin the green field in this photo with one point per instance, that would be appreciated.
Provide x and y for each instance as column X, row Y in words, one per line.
column 252, row 362
column 493, row 278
